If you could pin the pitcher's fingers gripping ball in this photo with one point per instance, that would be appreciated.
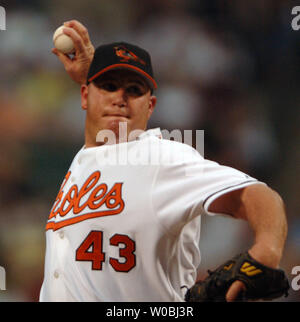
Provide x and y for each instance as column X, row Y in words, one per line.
column 261, row 282
column 75, row 40
column 62, row 42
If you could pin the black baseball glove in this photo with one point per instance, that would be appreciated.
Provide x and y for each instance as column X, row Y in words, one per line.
column 262, row 282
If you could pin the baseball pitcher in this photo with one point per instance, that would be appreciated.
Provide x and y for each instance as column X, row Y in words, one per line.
column 125, row 225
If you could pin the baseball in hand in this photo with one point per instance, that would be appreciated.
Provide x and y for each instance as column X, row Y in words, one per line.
column 63, row 42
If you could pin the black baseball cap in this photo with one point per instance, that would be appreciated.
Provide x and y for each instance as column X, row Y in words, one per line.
column 121, row 55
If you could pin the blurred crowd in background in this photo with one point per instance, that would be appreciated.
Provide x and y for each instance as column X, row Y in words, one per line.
column 230, row 68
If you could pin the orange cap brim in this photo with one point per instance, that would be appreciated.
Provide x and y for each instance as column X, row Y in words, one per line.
column 127, row 66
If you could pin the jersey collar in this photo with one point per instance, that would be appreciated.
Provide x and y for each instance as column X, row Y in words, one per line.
column 151, row 132
column 156, row 132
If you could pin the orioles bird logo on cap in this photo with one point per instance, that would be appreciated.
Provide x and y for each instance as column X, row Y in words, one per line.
column 126, row 55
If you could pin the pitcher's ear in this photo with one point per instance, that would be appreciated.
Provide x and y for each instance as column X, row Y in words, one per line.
column 152, row 104
column 84, row 96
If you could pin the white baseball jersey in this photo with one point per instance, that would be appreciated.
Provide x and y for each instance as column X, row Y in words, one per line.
column 125, row 225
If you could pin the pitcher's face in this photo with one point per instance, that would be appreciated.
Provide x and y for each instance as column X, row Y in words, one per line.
column 116, row 96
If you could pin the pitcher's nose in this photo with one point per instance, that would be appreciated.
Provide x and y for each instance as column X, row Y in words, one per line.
column 120, row 97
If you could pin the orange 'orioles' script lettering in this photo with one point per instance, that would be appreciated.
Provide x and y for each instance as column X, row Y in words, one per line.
column 96, row 195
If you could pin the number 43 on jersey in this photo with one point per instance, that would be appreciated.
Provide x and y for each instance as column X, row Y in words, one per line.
column 91, row 250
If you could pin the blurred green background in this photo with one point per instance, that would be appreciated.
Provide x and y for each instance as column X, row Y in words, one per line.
column 230, row 68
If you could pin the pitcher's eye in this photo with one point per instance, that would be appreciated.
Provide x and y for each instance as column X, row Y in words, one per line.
column 109, row 86
column 135, row 90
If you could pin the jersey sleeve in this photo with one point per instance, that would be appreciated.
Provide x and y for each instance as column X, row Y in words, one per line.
column 185, row 189
column 221, row 180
